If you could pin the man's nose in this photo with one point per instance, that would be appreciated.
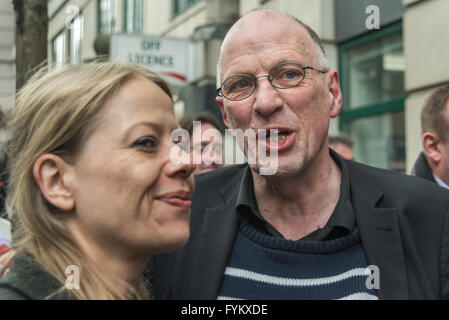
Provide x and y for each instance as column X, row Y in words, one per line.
column 267, row 98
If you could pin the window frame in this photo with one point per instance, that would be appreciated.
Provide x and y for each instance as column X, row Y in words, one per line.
column 176, row 11
column 125, row 17
column 66, row 48
column 347, row 114
column 70, row 38
column 114, row 18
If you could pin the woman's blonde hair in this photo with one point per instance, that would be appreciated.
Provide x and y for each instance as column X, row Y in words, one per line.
column 54, row 112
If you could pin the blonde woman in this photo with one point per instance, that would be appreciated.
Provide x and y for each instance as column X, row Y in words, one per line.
column 94, row 191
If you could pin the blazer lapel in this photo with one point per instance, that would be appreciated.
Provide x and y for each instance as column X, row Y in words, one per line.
column 381, row 237
column 217, row 237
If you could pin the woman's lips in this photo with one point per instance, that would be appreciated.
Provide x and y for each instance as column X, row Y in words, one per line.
column 179, row 199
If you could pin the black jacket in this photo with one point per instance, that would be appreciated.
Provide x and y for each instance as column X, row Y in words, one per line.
column 422, row 169
column 403, row 222
column 28, row 280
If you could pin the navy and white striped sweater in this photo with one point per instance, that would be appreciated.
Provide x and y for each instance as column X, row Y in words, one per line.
column 266, row 267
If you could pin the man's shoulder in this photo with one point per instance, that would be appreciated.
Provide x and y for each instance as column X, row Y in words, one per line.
column 213, row 182
column 219, row 174
column 395, row 184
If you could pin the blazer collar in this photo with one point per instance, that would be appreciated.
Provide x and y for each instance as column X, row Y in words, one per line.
column 381, row 238
column 422, row 169
column 217, row 237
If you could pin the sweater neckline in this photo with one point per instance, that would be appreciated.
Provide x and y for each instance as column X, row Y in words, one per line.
column 300, row 246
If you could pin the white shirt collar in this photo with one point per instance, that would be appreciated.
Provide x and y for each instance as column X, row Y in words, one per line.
column 440, row 182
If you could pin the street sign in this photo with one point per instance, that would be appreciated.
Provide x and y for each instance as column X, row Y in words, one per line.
column 170, row 57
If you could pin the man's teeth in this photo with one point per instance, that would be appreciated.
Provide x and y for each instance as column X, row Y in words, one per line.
column 280, row 138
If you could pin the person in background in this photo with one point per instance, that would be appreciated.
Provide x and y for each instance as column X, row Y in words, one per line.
column 342, row 145
column 209, row 147
column 94, row 193
column 433, row 162
column 319, row 226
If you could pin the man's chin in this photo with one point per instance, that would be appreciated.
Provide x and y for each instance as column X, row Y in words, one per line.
column 277, row 169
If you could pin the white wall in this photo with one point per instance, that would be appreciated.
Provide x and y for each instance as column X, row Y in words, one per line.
column 7, row 55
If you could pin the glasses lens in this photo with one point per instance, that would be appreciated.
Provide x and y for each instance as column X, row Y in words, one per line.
column 286, row 75
column 238, row 87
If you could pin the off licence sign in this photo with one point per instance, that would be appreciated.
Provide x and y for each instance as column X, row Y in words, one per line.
column 168, row 56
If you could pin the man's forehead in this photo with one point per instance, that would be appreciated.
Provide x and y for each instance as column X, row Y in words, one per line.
column 258, row 23
column 259, row 31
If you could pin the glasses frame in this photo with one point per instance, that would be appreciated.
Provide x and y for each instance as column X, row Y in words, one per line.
column 270, row 79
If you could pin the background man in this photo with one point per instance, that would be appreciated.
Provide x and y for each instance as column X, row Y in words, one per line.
column 207, row 149
column 310, row 230
column 342, row 145
column 433, row 163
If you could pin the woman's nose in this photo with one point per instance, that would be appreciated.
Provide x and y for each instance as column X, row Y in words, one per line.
column 179, row 162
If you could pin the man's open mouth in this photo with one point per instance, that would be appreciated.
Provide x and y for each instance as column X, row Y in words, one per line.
column 271, row 137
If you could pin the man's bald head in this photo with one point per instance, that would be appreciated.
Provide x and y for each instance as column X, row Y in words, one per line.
column 275, row 16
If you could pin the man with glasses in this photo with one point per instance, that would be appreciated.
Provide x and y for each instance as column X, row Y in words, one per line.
column 319, row 227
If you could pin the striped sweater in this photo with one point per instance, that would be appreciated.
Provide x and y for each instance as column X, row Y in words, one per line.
column 266, row 267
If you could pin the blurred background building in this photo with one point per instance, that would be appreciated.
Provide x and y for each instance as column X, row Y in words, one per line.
column 7, row 55
column 390, row 57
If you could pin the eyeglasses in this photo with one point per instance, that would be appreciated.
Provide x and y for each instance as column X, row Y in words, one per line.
column 284, row 75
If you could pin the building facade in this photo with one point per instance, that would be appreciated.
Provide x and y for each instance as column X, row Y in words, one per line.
column 390, row 54
column 7, row 55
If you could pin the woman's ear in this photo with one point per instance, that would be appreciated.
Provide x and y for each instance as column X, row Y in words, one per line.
column 52, row 175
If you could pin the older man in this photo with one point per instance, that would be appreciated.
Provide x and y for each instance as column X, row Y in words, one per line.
column 318, row 226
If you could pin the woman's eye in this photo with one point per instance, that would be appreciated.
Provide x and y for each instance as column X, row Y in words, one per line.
column 146, row 142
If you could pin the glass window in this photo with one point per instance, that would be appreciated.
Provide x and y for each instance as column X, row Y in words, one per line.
column 379, row 141
column 179, row 6
column 59, row 50
column 372, row 81
column 106, row 16
column 134, row 16
column 76, row 37
column 375, row 71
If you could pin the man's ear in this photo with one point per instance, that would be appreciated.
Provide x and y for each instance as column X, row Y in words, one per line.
column 334, row 93
column 430, row 143
column 219, row 101
column 52, row 175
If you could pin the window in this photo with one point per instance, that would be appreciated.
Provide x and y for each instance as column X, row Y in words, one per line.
column 179, row 6
column 372, row 79
column 59, row 48
column 134, row 16
column 106, row 16
column 76, row 36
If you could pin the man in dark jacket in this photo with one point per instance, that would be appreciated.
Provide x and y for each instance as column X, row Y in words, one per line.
column 433, row 162
column 319, row 225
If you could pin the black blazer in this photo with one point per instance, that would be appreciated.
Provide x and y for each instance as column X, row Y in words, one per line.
column 403, row 222
column 422, row 169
